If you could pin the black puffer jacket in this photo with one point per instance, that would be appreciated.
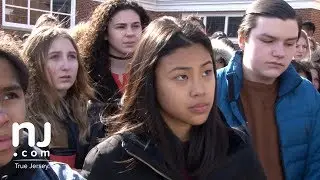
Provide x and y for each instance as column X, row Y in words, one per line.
column 112, row 159
column 27, row 167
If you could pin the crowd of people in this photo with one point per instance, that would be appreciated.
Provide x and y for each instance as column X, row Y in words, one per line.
column 128, row 97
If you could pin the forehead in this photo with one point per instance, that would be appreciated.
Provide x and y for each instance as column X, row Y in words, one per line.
column 125, row 16
column 7, row 74
column 61, row 43
column 276, row 27
column 302, row 40
column 193, row 55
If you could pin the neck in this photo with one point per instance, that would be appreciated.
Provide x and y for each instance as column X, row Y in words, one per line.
column 119, row 57
column 179, row 129
column 62, row 93
column 118, row 66
column 249, row 75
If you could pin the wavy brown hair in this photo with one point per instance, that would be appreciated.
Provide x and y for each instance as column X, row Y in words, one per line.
column 43, row 101
column 140, row 113
column 95, row 49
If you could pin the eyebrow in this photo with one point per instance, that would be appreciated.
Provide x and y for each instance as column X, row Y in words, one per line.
column 188, row 68
column 117, row 24
column 55, row 52
column 272, row 37
column 14, row 87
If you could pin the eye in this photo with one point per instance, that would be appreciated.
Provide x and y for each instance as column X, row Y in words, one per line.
column 10, row 95
column 208, row 72
column 267, row 41
column 55, row 56
column 181, row 77
column 72, row 56
column 120, row 27
column 136, row 26
column 289, row 44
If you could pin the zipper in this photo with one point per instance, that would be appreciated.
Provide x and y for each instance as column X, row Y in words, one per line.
column 154, row 169
column 279, row 141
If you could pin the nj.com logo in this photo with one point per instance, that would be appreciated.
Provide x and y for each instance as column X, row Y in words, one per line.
column 31, row 139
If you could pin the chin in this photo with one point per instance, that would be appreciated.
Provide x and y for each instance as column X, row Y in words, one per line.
column 64, row 88
column 273, row 74
column 199, row 120
column 6, row 157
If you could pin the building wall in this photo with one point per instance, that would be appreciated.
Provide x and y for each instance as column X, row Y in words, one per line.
column 154, row 15
column 84, row 9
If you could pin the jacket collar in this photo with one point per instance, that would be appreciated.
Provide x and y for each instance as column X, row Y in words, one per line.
column 288, row 80
column 146, row 151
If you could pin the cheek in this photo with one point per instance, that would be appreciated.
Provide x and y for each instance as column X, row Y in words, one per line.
column 168, row 95
column 50, row 72
column 139, row 33
column 115, row 36
column 17, row 111
column 75, row 67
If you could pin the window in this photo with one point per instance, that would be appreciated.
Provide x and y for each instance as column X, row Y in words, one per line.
column 233, row 25
column 227, row 24
column 214, row 24
column 23, row 14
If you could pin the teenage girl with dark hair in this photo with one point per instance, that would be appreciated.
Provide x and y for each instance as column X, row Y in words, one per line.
column 169, row 126
column 107, row 47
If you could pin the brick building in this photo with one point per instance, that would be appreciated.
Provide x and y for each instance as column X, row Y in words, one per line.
column 222, row 15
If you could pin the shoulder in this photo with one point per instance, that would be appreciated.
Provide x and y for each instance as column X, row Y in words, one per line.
column 109, row 148
column 221, row 80
column 306, row 92
column 241, row 151
column 221, row 73
column 103, row 155
column 63, row 171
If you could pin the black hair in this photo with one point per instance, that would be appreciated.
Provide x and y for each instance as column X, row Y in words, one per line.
column 140, row 113
column 95, row 49
column 308, row 25
column 218, row 35
column 9, row 50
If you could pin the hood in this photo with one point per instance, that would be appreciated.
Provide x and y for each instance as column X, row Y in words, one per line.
column 222, row 50
column 315, row 56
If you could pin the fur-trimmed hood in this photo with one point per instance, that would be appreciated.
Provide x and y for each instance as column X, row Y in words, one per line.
column 315, row 56
column 222, row 50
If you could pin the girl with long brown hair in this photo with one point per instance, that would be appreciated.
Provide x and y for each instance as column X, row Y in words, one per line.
column 59, row 92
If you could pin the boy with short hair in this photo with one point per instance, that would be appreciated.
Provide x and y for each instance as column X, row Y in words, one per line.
column 260, row 92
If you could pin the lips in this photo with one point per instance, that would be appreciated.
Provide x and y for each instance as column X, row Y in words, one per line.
column 199, row 108
column 130, row 44
column 275, row 64
column 65, row 77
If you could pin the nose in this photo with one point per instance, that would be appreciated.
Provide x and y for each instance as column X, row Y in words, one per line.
column 66, row 65
column 129, row 31
column 198, row 88
column 4, row 118
column 279, row 50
